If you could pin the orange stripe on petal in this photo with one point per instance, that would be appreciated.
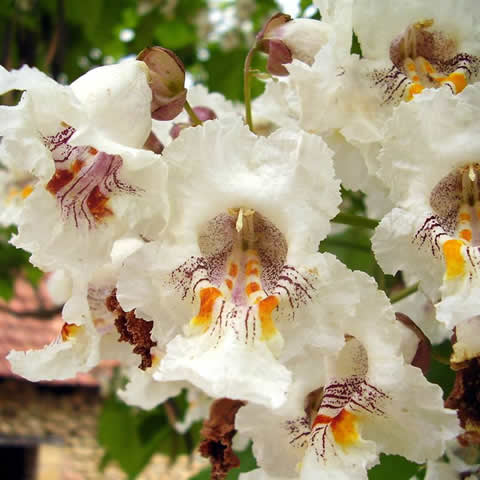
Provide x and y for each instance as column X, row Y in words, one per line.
column 233, row 270
column 252, row 287
column 466, row 234
column 208, row 296
column 265, row 309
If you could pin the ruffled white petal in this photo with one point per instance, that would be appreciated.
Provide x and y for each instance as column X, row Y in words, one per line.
column 216, row 167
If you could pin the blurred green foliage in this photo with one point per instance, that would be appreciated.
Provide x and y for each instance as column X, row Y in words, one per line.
column 131, row 436
column 14, row 262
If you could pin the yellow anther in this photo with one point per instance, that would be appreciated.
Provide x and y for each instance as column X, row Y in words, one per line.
column 239, row 224
column 424, row 23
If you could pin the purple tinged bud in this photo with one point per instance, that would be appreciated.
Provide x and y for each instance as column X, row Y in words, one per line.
column 204, row 113
column 167, row 81
column 177, row 128
column 421, row 358
column 154, row 144
column 278, row 55
column 271, row 25
column 269, row 41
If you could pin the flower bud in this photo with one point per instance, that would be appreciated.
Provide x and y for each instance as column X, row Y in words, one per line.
column 177, row 128
column 269, row 43
column 154, row 144
column 204, row 113
column 167, row 81
column 285, row 39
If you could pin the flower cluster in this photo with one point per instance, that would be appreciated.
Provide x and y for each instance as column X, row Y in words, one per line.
column 187, row 236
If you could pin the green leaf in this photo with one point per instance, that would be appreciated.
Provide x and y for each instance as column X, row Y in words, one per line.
column 32, row 274
column 353, row 248
column 355, row 45
column 131, row 436
column 119, row 434
column 440, row 371
column 6, row 287
column 393, row 467
column 175, row 34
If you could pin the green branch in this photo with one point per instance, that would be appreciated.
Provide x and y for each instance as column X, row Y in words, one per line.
column 191, row 113
column 247, row 93
column 404, row 293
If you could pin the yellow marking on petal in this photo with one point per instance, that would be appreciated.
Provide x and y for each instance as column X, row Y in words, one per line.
column 464, row 217
column 265, row 309
column 155, row 360
column 252, row 287
column 455, row 263
column 208, row 296
column 344, row 428
column 70, row 330
column 466, row 234
column 26, row 191
column 12, row 193
column 229, row 284
column 414, row 89
column 428, row 67
column 458, row 79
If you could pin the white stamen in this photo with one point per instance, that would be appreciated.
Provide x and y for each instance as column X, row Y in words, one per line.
column 471, row 173
column 239, row 224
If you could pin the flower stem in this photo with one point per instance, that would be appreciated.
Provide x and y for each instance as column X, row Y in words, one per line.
column 404, row 293
column 191, row 113
column 247, row 94
column 355, row 220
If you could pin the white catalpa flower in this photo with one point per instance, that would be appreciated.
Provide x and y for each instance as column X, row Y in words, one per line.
column 89, row 333
column 15, row 187
column 344, row 409
column 418, row 45
column 142, row 390
column 87, row 336
column 433, row 234
column 466, row 346
column 463, row 464
column 320, row 86
column 83, row 143
column 231, row 268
